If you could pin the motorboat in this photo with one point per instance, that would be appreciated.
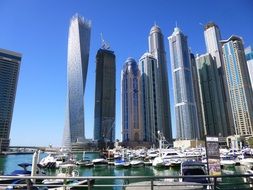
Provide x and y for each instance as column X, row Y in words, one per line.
column 19, row 172
column 173, row 157
column 67, row 170
column 152, row 154
column 158, row 162
column 85, row 163
column 234, row 152
column 117, row 155
column 245, row 160
column 192, row 167
column 121, row 163
column 100, row 162
column 227, row 161
column 137, row 163
column 53, row 160
column 35, row 170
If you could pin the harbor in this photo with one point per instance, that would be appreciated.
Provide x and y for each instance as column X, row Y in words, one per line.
column 111, row 175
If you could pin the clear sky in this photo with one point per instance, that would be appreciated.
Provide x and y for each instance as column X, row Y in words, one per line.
column 39, row 30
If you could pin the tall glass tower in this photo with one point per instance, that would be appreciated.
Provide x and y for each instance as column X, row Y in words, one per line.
column 239, row 88
column 156, row 48
column 105, row 102
column 249, row 58
column 213, row 47
column 185, row 106
column 9, row 70
column 212, row 107
column 195, row 80
column 131, row 129
column 150, row 111
column 77, row 66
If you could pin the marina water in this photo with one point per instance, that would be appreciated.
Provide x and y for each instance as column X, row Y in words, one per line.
column 8, row 163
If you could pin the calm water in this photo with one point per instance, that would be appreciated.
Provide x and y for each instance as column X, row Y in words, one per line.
column 9, row 163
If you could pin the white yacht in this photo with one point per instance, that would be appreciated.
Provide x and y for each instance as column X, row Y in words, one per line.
column 53, row 160
column 226, row 161
column 100, row 162
column 152, row 154
column 137, row 163
column 158, row 162
column 173, row 157
column 245, row 161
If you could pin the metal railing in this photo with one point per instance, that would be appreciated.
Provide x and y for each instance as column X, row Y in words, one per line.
column 225, row 182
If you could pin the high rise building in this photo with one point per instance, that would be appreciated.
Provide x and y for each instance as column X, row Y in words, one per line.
column 156, row 48
column 131, row 129
column 77, row 66
column 212, row 109
column 249, row 58
column 185, row 106
column 150, row 111
column 9, row 70
column 104, row 128
column 239, row 88
column 212, row 40
column 196, row 88
column 213, row 47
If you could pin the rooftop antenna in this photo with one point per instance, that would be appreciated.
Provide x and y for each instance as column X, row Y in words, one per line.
column 201, row 24
column 104, row 44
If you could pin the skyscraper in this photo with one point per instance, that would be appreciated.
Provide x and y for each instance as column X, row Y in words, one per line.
column 249, row 58
column 213, row 47
column 196, row 87
column 104, row 128
column 150, row 111
column 212, row 40
column 185, row 107
column 77, row 66
column 239, row 88
column 156, row 48
column 131, row 128
column 212, row 109
column 9, row 70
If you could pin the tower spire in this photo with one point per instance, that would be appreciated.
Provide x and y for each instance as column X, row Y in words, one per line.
column 104, row 44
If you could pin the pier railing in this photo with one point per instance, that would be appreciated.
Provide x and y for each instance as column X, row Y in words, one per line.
column 241, row 181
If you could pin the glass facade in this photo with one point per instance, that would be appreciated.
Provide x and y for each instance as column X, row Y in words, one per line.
column 240, row 91
column 156, row 48
column 104, row 124
column 9, row 72
column 197, row 94
column 185, row 107
column 213, row 46
column 249, row 58
column 150, row 115
column 131, row 130
column 212, row 109
column 77, row 66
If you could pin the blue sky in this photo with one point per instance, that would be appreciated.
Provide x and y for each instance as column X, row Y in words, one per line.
column 39, row 30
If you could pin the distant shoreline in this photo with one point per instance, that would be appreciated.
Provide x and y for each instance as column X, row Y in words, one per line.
column 16, row 152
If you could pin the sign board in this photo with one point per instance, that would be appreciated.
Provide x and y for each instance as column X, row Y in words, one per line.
column 213, row 156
